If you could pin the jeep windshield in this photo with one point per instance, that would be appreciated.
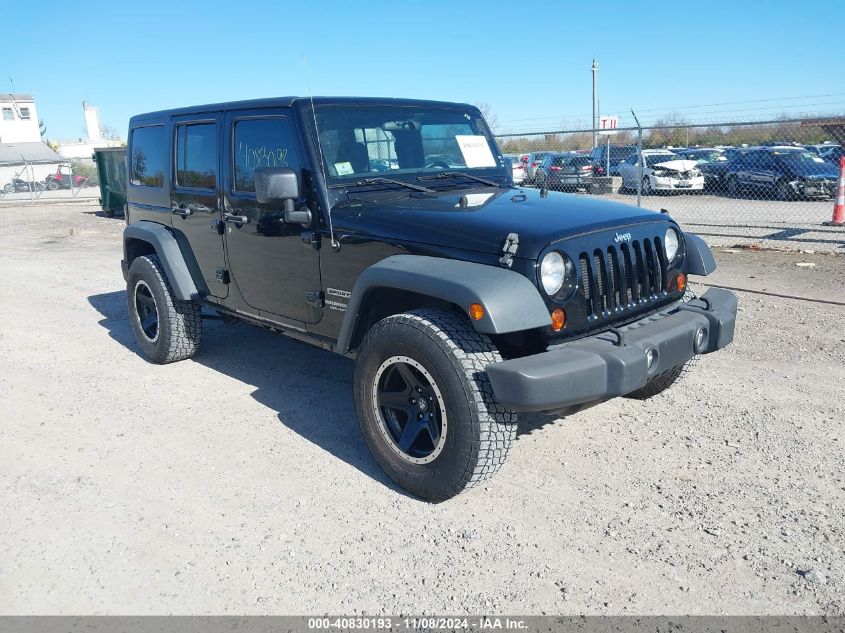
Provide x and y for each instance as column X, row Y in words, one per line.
column 362, row 142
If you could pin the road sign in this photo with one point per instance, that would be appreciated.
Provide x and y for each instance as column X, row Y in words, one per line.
column 608, row 124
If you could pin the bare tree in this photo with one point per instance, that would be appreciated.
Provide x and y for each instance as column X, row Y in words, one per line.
column 489, row 116
column 110, row 133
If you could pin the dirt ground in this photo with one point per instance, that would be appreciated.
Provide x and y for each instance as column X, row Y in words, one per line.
column 237, row 482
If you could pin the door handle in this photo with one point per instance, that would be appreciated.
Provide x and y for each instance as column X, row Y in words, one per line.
column 181, row 210
column 232, row 218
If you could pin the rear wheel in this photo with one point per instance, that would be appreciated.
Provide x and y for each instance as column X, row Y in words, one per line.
column 167, row 328
column 646, row 191
column 425, row 404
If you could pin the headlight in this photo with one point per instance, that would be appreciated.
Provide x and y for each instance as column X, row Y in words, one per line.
column 671, row 244
column 659, row 172
column 557, row 273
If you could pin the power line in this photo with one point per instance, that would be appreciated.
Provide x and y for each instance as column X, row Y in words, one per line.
column 668, row 109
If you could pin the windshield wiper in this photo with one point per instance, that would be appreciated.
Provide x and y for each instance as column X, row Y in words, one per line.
column 389, row 181
column 460, row 174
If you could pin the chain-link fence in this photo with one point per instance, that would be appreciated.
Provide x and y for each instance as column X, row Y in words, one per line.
column 23, row 178
column 771, row 183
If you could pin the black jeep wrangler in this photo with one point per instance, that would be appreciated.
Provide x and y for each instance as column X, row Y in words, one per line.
column 390, row 231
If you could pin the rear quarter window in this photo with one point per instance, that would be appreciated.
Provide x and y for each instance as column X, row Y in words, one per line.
column 148, row 156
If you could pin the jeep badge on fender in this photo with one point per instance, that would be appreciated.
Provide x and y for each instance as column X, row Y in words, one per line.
column 390, row 231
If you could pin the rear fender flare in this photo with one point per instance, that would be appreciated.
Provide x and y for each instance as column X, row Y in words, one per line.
column 167, row 249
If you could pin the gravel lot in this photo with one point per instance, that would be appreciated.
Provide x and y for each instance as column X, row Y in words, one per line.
column 238, row 482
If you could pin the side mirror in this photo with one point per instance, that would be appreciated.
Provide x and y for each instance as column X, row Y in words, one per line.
column 275, row 185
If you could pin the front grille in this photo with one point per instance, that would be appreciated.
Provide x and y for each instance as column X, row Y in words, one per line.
column 622, row 277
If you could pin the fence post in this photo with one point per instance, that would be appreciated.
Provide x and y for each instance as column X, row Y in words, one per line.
column 27, row 170
column 639, row 160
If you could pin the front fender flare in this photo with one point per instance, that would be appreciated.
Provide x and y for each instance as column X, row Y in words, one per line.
column 511, row 302
column 168, row 252
column 699, row 256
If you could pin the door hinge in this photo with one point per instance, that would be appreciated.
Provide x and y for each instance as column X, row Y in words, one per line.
column 222, row 275
column 315, row 298
column 218, row 227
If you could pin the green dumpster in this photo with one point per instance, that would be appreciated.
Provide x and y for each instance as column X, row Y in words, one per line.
column 111, row 167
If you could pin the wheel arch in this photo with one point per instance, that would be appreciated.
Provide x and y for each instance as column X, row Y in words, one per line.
column 147, row 238
column 403, row 282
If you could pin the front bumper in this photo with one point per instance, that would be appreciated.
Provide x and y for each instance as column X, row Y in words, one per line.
column 605, row 365
column 678, row 184
column 814, row 188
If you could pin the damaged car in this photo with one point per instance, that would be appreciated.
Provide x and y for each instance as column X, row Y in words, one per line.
column 662, row 170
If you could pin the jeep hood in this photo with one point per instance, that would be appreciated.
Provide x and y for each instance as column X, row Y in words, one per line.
column 483, row 219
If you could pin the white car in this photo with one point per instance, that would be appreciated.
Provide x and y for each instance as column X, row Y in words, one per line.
column 662, row 171
column 517, row 167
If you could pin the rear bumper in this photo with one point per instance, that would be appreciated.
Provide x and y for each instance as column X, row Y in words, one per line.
column 601, row 366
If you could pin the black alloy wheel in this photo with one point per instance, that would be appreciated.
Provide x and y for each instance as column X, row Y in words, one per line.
column 147, row 311
column 410, row 409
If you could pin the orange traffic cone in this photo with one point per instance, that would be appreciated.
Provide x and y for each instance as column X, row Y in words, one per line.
column 839, row 207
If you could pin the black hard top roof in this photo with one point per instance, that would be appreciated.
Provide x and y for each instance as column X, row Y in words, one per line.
column 289, row 101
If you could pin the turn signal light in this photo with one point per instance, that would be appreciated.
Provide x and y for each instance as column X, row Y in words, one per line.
column 558, row 319
column 681, row 281
column 476, row 311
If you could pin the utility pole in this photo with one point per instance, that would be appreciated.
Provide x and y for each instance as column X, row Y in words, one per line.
column 595, row 99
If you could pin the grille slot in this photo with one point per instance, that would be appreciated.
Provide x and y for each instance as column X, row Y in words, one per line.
column 621, row 277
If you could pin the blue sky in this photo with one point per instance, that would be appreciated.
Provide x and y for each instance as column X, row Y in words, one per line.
column 705, row 60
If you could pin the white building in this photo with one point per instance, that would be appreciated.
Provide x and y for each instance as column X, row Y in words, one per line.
column 83, row 150
column 18, row 119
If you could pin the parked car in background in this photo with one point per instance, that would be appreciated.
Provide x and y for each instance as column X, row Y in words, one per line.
column 517, row 167
column 712, row 162
column 662, row 171
column 531, row 161
column 786, row 172
column 832, row 153
column 606, row 158
column 564, row 171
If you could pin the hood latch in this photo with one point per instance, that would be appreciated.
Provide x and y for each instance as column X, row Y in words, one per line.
column 509, row 250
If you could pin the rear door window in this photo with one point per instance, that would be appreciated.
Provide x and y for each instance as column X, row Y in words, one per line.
column 196, row 156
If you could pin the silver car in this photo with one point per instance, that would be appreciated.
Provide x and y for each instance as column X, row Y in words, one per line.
column 532, row 161
column 565, row 171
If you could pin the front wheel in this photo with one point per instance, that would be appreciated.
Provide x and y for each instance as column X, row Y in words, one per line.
column 167, row 329
column 425, row 404
column 646, row 190
column 784, row 191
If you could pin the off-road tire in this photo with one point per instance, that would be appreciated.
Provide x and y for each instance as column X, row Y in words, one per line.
column 479, row 432
column 667, row 379
column 179, row 322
